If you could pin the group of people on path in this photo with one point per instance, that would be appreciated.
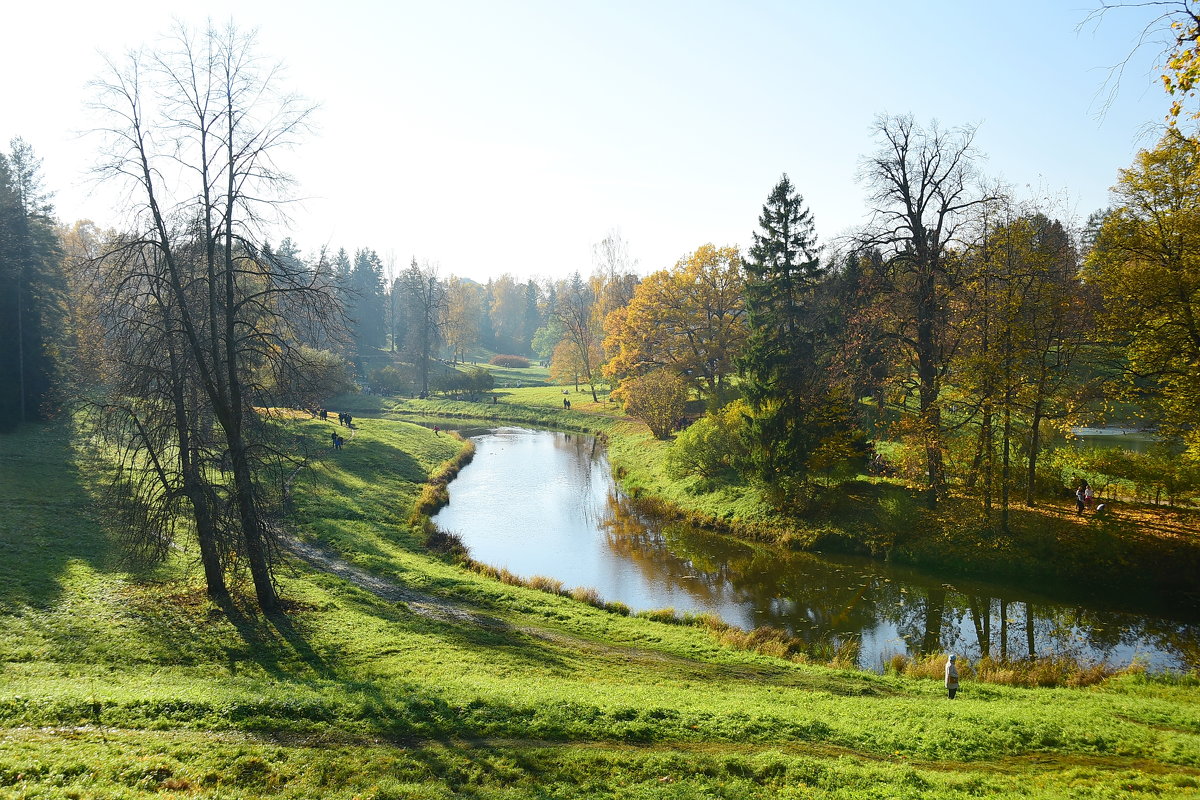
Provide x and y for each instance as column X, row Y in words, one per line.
column 1085, row 498
column 343, row 418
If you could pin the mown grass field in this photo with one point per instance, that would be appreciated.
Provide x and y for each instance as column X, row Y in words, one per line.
column 127, row 684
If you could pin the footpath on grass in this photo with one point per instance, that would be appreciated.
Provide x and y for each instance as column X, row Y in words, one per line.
column 1151, row 555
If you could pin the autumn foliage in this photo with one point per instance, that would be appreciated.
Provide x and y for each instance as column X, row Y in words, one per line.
column 657, row 398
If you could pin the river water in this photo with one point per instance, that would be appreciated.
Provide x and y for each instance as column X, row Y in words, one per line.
column 544, row 503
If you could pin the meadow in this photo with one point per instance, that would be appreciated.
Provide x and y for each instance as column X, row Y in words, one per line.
column 399, row 674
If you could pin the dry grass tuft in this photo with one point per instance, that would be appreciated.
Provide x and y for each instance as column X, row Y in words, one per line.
column 1043, row 671
column 545, row 584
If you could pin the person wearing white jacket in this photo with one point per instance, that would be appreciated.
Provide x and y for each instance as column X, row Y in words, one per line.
column 951, row 676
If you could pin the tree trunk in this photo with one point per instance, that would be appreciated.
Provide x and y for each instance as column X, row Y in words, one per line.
column 1004, row 630
column 931, row 415
column 1029, row 630
column 1005, row 464
column 253, row 530
column 1035, row 443
column 934, row 607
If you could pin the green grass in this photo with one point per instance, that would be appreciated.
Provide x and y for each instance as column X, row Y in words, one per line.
column 118, row 684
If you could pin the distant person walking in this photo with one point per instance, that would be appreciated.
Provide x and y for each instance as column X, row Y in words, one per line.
column 1080, row 498
column 951, row 676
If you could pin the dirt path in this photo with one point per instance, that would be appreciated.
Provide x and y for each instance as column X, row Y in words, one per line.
column 419, row 603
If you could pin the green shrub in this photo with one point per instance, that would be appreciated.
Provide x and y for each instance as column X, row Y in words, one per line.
column 512, row 362
column 711, row 447
column 319, row 375
column 473, row 382
column 1162, row 473
column 392, row 380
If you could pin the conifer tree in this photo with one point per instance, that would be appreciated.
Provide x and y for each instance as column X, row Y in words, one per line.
column 785, row 368
column 29, row 288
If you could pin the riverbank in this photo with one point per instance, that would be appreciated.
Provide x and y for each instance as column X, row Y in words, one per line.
column 129, row 684
column 1148, row 554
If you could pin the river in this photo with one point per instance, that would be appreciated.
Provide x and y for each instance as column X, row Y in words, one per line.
column 544, row 503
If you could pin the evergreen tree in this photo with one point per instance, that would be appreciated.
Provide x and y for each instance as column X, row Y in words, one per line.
column 366, row 302
column 532, row 318
column 29, row 288
column 796, row 425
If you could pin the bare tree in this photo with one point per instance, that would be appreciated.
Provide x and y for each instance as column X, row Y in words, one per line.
column 426, row 302
column 1172, row 28
column 576, row 310
column 922, row 185
column 194, row 133
column 614, row 277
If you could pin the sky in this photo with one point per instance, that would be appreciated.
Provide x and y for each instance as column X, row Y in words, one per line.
column 511, row 136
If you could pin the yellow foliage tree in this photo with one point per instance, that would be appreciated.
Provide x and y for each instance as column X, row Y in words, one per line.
column 656, row 398
column 1146, row 262
column 689, row 320
column 464, row 308
column 566, row 366
column 1182, row 70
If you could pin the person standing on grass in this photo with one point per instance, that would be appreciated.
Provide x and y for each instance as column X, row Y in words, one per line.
column 951, row 676
column 1079, row 497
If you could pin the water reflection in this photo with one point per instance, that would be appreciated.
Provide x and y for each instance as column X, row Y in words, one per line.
column 539, row 502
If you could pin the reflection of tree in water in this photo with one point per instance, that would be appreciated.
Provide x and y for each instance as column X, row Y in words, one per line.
column 815, row 598
column 645, row 546
column 721, row 569
column 588, row 470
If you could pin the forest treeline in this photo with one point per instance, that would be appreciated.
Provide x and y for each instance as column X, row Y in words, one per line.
column 960, row 325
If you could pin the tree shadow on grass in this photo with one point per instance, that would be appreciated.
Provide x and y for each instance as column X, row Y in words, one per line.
column 47, row 518
column 276, row 644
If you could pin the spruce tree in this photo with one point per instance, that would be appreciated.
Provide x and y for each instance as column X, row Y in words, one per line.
column 786, row 366
column 30, row 288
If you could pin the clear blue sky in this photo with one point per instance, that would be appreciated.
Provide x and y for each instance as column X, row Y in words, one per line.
column 511, row 136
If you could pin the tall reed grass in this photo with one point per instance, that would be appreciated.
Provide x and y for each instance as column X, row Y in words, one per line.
column 1042, row 671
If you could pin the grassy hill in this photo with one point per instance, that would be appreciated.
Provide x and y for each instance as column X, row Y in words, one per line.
column 402, row 676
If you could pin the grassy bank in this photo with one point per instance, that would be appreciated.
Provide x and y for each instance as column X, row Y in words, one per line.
column 120, row 684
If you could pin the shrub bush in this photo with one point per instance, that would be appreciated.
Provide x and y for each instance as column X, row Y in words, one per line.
column 392, row 380
column 546, row 584
column 513, row 362
column 472, row 383
column 711, row 447
column 657, row 398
